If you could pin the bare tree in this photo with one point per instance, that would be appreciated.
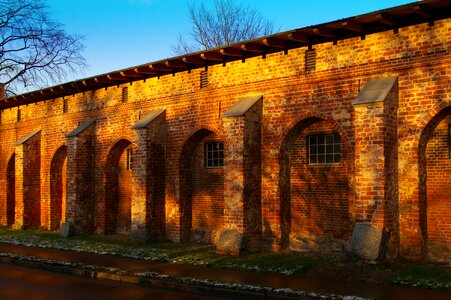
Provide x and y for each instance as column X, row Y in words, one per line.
column 225, row 23
column 34, row 50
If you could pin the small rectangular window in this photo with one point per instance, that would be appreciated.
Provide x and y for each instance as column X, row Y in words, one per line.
column 203, row 79
column 310, row 60
column 449, row 140
column 324, row 148
column 65, row 106
column 124, row 94
column 214, row 154
column 19, row 115
column 129, row 159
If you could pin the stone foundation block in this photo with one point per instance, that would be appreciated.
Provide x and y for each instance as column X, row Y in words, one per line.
column 141, row 236
column 17, row 226
column 367, row 241
column 67, row 229
column 230, row 242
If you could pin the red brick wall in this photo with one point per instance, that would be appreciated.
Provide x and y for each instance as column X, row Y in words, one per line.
column 207, row 190
column 80, row 178
column 438, row 191
column 118, row 187
column 10, row 191
column 30, row 193
column 201, row 188
column 320, row 207
column 418, row 55
column 58, row 188
column 125, row 182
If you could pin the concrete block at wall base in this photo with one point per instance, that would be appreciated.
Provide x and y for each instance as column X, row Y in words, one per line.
column 230, row 242
column 368, row 242
column 201, row 236
column 141, row 236
column 67, row 229
column 17, row 226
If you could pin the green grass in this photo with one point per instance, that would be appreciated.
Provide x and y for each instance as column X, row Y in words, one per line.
column 406, row 273
column 427, row 276
column 162, row 251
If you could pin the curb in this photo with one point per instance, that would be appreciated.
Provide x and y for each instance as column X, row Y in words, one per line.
column 152, row 279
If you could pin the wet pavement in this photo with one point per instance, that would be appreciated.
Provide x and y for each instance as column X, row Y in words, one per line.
column 295, row 282
column 18, row 283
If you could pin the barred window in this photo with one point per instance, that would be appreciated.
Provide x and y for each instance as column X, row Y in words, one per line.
column 65, row 106
column 449, row 140
column 324, row 148
column 129, row 159
column 214, row 154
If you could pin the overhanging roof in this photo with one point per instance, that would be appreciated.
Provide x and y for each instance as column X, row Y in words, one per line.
column 378, row 21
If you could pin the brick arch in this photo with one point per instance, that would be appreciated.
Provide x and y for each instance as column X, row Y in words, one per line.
column 189, row 136
column 11, row 190
column 58, row 188
column 311, row 180
column 201, row 190
column 118, row 185
column 434, row 174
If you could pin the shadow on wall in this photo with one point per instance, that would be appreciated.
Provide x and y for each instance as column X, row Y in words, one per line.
column 315, row 194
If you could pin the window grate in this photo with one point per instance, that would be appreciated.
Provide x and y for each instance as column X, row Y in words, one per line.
column 214, row 154
column 129, row 159
column 124, row 94
column 310, row 60
column 65, row 106
column 203, row 79
column 449, row 141
column 324, row 148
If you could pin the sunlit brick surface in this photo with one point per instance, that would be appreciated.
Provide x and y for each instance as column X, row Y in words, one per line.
column 393, row 174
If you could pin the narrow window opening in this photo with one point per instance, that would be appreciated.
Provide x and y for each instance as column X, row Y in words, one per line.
column 324, row 148
column 214, row 154
column 129, row 159
column 124, row 94
column 65, row 106
column 203, row 79
column 19, row 115
column 449, row 141
column 310, row 60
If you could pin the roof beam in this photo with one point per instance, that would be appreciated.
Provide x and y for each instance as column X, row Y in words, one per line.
column 276, row 43
column 194, row 60
column 422, row 11
column 116, row 77
column 130, row 73
column 145, row 70
column 212, row 56
column 159, row 67
column 385, row 18
column 252, row 47
column 231, row 52
column 175, row 64
column 325, row 32
column 298, row 37
column 103, row 79
column 352, row 26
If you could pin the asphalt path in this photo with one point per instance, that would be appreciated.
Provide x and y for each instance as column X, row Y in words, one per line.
column 18, row 283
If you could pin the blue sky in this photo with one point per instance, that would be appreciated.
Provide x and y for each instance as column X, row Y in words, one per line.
column 124, row 33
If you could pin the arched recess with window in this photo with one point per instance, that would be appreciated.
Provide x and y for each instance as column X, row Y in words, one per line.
column 201, row 186
column 435, row 188
column 58, row 188
column 11, row 190
column 316, row 200
column 118, row 188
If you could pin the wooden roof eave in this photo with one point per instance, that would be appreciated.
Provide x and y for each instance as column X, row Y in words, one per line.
column 392, row 18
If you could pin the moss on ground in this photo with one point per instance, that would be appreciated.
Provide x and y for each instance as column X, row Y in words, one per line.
column 407, row 274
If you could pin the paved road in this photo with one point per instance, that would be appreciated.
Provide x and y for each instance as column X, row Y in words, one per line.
column 18, row 283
